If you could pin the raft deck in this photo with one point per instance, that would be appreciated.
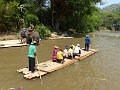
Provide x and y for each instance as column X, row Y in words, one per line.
column 50, row 66
column 11, row 43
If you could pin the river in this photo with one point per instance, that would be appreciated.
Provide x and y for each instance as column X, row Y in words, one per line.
column 100, row 71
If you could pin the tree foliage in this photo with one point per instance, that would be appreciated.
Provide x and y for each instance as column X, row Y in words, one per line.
column 72, row 13
column 111, row 19
column 59, row 15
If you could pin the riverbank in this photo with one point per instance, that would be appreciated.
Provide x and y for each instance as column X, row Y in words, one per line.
column 16, row 36
column 8, row 37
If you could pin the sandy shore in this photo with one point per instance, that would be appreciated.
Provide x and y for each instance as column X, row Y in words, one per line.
column 15, row 37
column 8, row 37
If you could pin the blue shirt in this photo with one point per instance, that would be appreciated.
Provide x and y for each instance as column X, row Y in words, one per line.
column 32, row 50
column 87, row 40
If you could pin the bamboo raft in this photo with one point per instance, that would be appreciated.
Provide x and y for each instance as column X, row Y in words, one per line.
column 50, row 66
column 11, row 43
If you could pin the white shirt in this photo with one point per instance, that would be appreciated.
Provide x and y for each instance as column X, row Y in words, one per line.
column 70, row 51
column 77, row 49
column 65, row 53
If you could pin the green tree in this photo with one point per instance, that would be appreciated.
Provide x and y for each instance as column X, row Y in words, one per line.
column 71, row 12
column 9, row 17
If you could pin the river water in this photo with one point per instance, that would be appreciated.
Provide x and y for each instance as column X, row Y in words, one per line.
column 100, row 71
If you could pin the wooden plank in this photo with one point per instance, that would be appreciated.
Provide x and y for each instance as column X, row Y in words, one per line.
column 35, row 74
column 50, row 66
column 11, row 43
column 53, row 66
column 23, row 71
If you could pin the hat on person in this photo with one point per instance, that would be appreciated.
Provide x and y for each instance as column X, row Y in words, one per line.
column 33, row 42
column 23, row 28
column 78, row 44
column 87, row 35
column 66, row 47
column 56, row 47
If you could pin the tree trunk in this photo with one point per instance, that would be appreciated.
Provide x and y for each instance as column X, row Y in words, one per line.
column 52, row 8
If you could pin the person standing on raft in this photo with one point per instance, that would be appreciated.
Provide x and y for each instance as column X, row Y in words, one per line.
column 87, row 42
column 32, row 56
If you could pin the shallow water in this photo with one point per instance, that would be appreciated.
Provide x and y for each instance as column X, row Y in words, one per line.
column 100, row 71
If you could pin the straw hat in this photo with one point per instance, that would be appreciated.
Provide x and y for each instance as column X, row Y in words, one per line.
column 56, row 47
column 78, row 44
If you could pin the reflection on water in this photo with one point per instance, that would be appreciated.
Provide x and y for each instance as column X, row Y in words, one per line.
column 97, row 72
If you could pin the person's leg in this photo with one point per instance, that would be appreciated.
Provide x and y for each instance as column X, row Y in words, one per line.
column 21, row 39
column 71, row 57
column 57, row 60
column 64, row 57
column 33, row 64
column 54, row 60
column 74, row 54
column 87, row 47
column 29, row 63
column 62, row 61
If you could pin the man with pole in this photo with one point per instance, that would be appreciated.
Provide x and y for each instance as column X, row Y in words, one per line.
column 33, row 57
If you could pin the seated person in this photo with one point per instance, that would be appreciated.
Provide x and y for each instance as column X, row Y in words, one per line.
column 65, row 53
column 76, row 51
column 54, row 53
column 60, row 56
column 70, row 52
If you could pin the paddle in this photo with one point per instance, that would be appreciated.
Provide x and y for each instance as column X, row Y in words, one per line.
column 38, row 70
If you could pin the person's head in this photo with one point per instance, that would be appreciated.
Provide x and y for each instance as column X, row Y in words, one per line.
column 87, row 36
column 78, row 45
column 56, row 47
column 32, row 26
column 30, row 30
column 34, row 43
column 61, row 50
column 66, row 47
column 24, row 29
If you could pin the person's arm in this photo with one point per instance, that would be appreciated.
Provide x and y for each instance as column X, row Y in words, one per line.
column 35, row 54
column 89, row 39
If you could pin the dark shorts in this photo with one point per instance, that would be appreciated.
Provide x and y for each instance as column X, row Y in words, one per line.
column 59, row 60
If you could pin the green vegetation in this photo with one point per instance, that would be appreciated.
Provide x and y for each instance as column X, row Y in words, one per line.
column 43, row 31
column 71, row 16
column 111, row 17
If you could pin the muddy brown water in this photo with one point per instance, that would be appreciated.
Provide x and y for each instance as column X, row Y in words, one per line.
column 100, row 71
